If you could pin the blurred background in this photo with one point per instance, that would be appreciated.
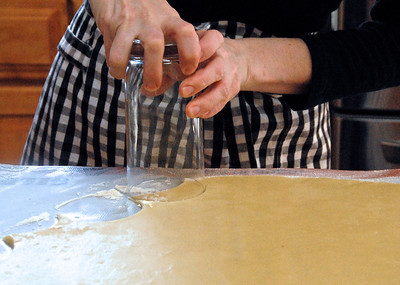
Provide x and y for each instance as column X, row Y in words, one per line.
column 366, row 127
column 29, row 34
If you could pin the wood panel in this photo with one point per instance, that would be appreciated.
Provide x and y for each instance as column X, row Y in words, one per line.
column 29, row 34
column 24, row 71
column 60, row 5
column 19, row 100
column 13, row 133
column 17, row 108
column 73, row 6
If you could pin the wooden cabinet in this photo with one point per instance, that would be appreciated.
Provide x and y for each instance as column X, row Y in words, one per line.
column 29, row 33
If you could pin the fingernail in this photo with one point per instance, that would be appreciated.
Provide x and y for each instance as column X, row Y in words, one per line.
column 188, row 70
column 194, row 111
column 115, row 73
column 187, row 90
column 151, row 87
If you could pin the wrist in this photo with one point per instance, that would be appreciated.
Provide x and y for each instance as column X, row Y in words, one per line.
column 276, row 65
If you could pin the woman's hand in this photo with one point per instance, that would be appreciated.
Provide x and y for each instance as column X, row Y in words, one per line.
column 269, row 65
column 150, row 21
column 220, row 77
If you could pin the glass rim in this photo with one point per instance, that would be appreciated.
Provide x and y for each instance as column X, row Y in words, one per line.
column 170, row 50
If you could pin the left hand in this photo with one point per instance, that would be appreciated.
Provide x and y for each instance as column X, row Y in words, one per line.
column 219, row 78
column 210, row 41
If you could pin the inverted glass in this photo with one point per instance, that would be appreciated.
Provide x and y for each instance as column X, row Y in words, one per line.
column 164, row 146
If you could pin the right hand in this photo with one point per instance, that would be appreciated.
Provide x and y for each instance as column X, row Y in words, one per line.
column 150, row 21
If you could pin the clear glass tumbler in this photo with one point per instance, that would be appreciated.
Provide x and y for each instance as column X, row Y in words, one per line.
column 164, row 146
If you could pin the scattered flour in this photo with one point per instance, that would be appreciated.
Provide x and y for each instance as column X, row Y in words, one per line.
column 35, row 219
column 112, row 194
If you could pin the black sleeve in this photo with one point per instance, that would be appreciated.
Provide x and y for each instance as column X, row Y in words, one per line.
column 348, row 62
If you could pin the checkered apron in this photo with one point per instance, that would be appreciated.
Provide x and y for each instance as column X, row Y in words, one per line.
column 80, row 119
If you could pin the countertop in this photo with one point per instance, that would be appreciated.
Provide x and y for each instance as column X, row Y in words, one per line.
column 241, row 230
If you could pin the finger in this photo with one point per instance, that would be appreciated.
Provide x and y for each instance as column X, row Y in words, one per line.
column 210, row 42
column 153, row 45
column 208, row 103
column 103, row 14
column 165, row 85
column 187, row 41
column 107, row 46
column 120, row 50
column 203, row 78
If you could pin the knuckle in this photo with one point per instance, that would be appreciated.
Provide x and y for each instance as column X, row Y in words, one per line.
column 104, row 21
column 153, row 40
column 126, row 16
column 116, row 58
column 219, row 70
column 236, row 86
column 217, row 107
column 229, row 91
column 223, row 53
column 225, row 91
column 186, row 29
column 220, row 104
column 203, row 84
column 217, row 35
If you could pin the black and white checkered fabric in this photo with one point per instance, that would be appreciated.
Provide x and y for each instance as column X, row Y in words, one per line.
column 80, row 119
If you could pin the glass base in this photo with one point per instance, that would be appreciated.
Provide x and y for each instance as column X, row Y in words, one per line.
column 164, row 185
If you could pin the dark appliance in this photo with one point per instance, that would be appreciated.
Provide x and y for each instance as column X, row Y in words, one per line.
column 365, row 127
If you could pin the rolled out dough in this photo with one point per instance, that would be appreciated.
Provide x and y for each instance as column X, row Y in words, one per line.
column 241, row 230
